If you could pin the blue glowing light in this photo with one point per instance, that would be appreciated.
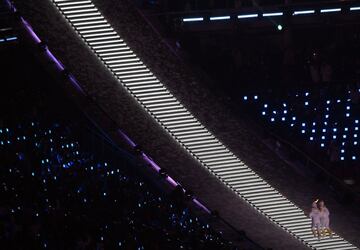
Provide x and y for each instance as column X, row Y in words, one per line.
column 330, row 10
column 272, row 14
column 216, row 18
column 193, row 19
column 355, row 8
column 247, row 16
column 303, row 12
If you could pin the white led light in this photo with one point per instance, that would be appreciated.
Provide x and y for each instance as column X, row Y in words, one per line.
column 193, row 19
column 247, row 16
column 303, row 12
column 214, row 18
column 273, row 14
column 354, row 8
column 330, row 10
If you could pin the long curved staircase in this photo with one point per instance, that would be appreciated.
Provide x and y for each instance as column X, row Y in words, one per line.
column 154, row 97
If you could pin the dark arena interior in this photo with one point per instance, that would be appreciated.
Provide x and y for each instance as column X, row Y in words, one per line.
column 180, row 124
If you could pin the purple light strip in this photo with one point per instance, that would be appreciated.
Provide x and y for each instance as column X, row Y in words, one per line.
column 50, row 55
column 30, row 30
column 58, row 64
column 76, row 84
column 60, row 67
column 129, row 141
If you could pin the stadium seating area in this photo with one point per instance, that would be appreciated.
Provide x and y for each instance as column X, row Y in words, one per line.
column 58, row 196
column 57, row 192
column 322, row 121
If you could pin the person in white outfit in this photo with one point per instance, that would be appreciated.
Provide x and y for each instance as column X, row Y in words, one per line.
column 324, row 219
column 315, row 219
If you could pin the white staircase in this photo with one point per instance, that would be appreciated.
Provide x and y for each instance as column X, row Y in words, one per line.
column 98, row 34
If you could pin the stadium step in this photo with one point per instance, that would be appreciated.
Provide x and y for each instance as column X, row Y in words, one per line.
column 111, row 49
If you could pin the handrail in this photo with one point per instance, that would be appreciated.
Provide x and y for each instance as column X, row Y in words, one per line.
column 146, row 158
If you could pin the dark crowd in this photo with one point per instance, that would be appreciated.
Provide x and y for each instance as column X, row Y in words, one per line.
column 59, row 190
